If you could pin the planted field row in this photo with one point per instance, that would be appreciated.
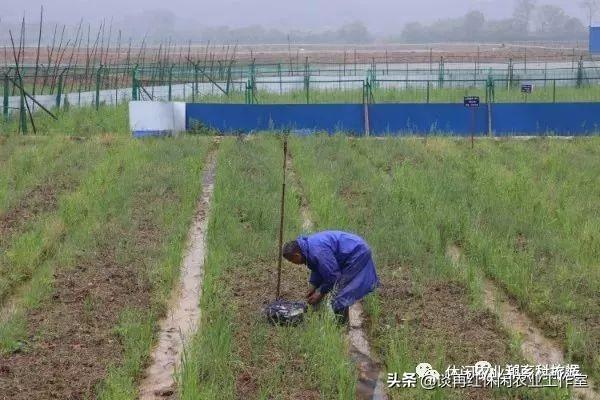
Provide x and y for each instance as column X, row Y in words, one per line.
column 236, row 354
column 87, row 271
column 418, row 203
column 81, row 323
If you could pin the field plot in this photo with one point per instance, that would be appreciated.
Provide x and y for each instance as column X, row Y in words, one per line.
column 93, row 231
column 236, row 354
column 502, row 208
column 84, row 279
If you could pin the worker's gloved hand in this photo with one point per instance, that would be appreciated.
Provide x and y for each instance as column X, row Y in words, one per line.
column 315, row 298
column 310, row 292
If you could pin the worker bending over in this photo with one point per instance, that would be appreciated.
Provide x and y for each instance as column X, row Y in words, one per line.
column 340, row 264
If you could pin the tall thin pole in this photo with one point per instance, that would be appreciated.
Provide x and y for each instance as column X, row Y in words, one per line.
column 37, row 55
column 281, row 219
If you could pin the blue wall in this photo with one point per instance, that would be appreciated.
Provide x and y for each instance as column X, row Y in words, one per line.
column 595, row 39
column 398, row 119
column 401, row 119
column 543, row 118
column 302, row 117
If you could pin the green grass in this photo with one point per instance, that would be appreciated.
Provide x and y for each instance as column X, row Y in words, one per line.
column 411, row 199
column 139, row 185
column 236, row 354
column 53, row 168
column 387, row 94
column 525, row 213
column 80, row 122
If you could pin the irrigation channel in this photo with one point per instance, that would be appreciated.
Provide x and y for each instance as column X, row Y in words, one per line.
column 370, row 384
column 184, row 309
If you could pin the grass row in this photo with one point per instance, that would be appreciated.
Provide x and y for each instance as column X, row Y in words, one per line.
column 386, row 93
column 79, row 122
column 139, row 201
column 236, row 354
column 37, row 177
column 525, row 213
column 412, row 201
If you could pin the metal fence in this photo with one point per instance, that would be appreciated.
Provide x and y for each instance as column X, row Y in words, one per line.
column 28, row 88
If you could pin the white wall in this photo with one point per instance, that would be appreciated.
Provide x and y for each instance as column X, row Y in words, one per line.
column 155, row 118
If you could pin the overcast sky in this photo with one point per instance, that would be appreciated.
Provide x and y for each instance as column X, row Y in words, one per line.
column 380, row 16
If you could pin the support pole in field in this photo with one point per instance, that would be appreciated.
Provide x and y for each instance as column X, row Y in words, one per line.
column 59, row 90
column 22, row 114
column 170, row 96
column 98, row 82
column 5, row 99
column 490, row 100
column 473, row 125
column 134, row 89
column 281, row 219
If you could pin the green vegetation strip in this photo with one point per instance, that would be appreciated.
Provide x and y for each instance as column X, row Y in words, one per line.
column 236, row 354
column 75, row 121
column 133, row 210
column 409, row 199
column 386, row 94
column 527, row 214
column 37, row 177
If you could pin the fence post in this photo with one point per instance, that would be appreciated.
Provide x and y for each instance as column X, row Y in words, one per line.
column 280, row 82
column 489, row 94
column 428, row 91
column 98, row 83
column 580, row 73
column 441, row 74
column 5, row 98
column 510, row 74
column 228, row 79
column 554, row 91
column 195, row 88
column 170, row 82
column 59, row 88
column 134, row 91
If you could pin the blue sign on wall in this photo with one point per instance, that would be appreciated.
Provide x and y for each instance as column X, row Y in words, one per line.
column 595, row 40
column 471, row 101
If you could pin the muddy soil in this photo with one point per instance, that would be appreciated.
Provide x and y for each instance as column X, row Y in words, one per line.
column 71, row 338
column 42, row 198
column 438, row 314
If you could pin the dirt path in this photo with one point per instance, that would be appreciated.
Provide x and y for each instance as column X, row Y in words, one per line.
column 535, row 346
column 369, row 386
column 184, row 310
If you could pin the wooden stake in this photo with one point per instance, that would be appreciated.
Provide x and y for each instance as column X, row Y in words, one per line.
column 279, row 259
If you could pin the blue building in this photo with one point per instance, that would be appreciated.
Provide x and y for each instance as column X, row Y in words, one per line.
column 594, row 39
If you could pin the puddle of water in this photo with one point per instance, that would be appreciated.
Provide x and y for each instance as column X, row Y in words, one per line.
column 184, row 310
column 370, row 385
